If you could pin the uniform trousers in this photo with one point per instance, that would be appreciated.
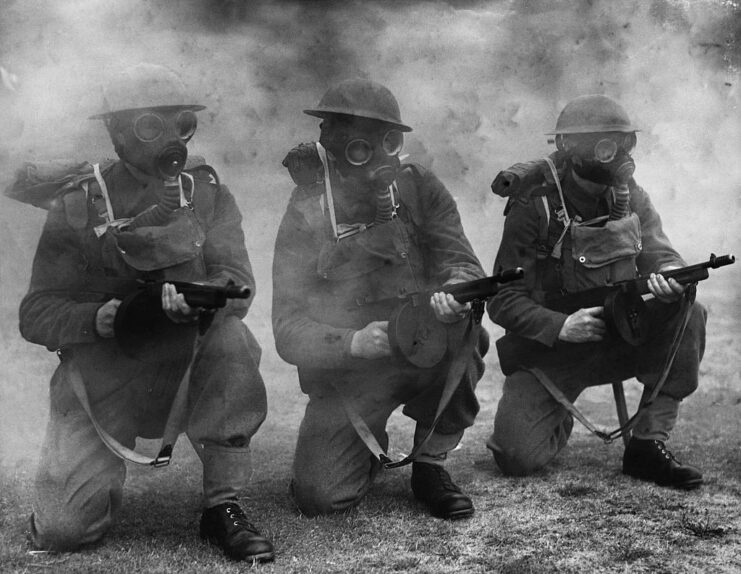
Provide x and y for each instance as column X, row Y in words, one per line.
column 531, row 427
column 79, row 483
column 333, row 468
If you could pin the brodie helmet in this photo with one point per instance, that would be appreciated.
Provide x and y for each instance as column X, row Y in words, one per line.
column 361, row 98
column 592, row 113
column 145, row 86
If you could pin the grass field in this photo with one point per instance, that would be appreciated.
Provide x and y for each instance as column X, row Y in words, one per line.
column 578, row 515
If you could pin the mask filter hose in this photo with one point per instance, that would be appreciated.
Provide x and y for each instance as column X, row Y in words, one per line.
column 620, row 199
column 384, row 205
column 170, row 163
column 158, row 214
column 621, row 193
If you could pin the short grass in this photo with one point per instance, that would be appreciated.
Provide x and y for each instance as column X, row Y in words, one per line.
column 578, row 515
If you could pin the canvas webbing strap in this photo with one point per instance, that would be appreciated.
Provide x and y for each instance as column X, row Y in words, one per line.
column 608, row 437
column 455, row 374
column 173, row 427
column 556, row 251
column 328, row 187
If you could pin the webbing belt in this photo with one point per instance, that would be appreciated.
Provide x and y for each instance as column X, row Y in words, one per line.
column 608, row 437
column 173, row 427
column 453, row 378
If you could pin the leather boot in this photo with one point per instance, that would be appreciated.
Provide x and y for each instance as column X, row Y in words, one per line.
column 432, row 485
column 227, row 526
column 650, row 460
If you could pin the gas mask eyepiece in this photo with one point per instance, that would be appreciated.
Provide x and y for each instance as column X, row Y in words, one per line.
column 359, row 151
column 150, row 126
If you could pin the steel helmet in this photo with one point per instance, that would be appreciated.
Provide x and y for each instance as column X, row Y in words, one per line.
column 592, row 113
column 145, row 86
column 361, row 98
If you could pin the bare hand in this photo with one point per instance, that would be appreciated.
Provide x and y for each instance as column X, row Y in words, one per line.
column 666, row 291
column 175, row 307
column 104, row 318
column 583, row 326
column 447, row 309
column 372, row 341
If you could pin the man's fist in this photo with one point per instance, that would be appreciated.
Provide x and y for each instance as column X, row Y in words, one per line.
column 104, row 318
column 372, row 341
column 583, row 326
column 665, row 290
column 175, row 307
column 447, row 309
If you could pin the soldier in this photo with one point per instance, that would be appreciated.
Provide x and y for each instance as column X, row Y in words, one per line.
column 574, row 221
column 362, row 230
column 141, row 218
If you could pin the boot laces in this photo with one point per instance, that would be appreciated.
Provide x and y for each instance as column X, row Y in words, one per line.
column 446, row 482
column 666, row 452
column 239, row 518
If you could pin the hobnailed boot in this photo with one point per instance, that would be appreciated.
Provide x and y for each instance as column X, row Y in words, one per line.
column 432, row 485
column 226, row 526
column 650, row 460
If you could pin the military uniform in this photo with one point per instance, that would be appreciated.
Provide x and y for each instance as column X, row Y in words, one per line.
column 325, row 289
column 79, row 482
column 530, row 426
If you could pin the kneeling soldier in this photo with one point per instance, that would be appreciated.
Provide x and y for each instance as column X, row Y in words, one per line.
column 148, row 217
column 361, row 232
column 575, row 221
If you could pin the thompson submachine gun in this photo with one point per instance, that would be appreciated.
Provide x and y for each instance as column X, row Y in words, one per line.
column 140, row 314
column 623, row 302
column 624, row 308
column 415, row 333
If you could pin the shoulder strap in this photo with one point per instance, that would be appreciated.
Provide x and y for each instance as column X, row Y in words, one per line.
column 455, row 374
column 327, row 188
column 173, row 427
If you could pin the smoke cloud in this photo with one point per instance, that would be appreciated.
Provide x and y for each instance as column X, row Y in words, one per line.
column 480, row 83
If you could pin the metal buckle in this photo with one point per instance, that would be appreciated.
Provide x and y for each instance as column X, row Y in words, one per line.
column 163, row 458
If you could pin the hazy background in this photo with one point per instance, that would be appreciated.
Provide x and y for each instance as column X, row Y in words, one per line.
column 480, row 82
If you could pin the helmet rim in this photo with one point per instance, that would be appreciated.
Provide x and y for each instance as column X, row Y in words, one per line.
column 360, row 98
column 593, row 113
column 326, row 112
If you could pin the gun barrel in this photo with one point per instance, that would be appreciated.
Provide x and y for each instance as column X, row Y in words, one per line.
column 483, row 288
column 571, row 302
column 237, row 291
column 721, row 260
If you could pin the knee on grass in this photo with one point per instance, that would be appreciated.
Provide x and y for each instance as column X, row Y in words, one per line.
column 62, row 534
column 317, row 499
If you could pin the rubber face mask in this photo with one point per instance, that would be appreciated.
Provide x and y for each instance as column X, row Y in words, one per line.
column 155, row 140
column 602, row 158
column 367, row 152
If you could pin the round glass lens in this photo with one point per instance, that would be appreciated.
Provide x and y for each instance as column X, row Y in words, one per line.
column 393, row 141
column 605, row 150
column 358, row 152
column 148, row 127
column 186, row 124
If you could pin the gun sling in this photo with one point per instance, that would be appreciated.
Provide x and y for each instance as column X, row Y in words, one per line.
column 646, row 400
column 455, row 374
column 173, row 426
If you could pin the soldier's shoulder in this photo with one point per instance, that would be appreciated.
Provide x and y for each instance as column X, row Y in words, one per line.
column 56, row 184
column 306, row 193
column 522, row 182
column 201, row 170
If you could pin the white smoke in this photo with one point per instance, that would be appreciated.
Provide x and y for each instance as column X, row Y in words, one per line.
column 480, row 82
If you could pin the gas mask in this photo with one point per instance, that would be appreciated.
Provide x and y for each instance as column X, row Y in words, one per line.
column 603, row 158
column 154, row 140
column 366, row 151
